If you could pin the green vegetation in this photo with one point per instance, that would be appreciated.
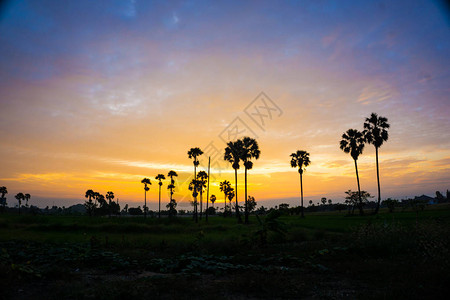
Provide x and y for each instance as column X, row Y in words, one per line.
column 402, row 254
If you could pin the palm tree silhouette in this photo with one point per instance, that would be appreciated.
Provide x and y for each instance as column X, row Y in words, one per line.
column 160, row 177
column 232, row 155
column 110, row 196
column 194, row 153
column 213, row 199
column 27, row 197
column 225, row 187
column 194, row 186
column 90, row 206
column 375, row 133
column 202, row 180
column 19, row 197
column 230, row 196
column 353, row 142
column 249, row 150
column 146, row 182
column 3, row 191
column 171, row 186
column 301, row 160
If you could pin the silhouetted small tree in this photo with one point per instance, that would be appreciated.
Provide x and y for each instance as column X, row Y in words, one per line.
column 233, row 156
column 375, row 133
column 301, row 160
column 146, row 182
column 353, row 142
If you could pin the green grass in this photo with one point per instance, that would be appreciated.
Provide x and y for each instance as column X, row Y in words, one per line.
column 325, row 255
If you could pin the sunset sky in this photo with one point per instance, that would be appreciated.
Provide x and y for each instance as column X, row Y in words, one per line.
column 100, row 94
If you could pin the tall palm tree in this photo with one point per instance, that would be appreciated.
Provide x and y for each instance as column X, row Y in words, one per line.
column 232, row 155
column 110, row 196
column 27, row 197
column 194, row 186
column 225, row 187
column 213, row 199
column 3, row 191
column 171, row 186
column 375, row 133
column 90, row 206
column 146, row 183
column 194, row 153
column 202, row 180
column 19, row 197
column 353, row 142
column 301, row 160
column 160, row 177
column 249, row 150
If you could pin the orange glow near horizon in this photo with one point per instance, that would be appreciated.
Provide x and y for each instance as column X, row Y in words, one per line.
column 121, row 98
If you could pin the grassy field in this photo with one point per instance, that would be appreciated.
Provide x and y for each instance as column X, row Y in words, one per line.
column 324, row 256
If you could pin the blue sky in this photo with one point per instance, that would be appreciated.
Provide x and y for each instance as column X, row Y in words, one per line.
column 87, row 84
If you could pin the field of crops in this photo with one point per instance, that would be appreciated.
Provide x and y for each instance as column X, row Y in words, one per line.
column 325, row 256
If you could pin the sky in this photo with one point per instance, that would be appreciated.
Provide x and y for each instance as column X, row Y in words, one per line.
column 100, row 94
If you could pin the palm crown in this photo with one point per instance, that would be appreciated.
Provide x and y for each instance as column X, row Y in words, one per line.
column 352, row 142
column 233, row 153
column 160, row 177
column 375, row 130
column 248, row 151
column 300, row 159
column 194, row 153
column 146, row 182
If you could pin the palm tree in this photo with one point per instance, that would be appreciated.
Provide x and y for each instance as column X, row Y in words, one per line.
column 230, row 196
column 194, row 186
column 213, row 199
column 110, row 196
column 249, row 150
column 301, row 160
column 202, row 180
column 20, row 197
column 90, row 206
column 225, row 187
column 375, row 132
column 232, row 155
column 160, row 177
column 171, row 186
column 3, row 191
column 146, row 182
column 353, row 142
column 27, row 197
column 194, row 153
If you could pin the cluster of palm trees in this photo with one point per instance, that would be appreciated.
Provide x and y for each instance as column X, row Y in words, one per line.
column 242, row 150
column 100, row 206
column 22, row 197
column 228, row 191
column 3, row 191
column 160, row 177
column 245, row 149
column 353, row 142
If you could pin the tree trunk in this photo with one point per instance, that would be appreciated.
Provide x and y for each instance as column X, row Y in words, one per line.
column 195, row 191
column 201, row 202
column 159, row 205
column 301, row 191
column 225, row 205
column 378, row 181
column 145, row 204
column 246, row 204
column 207, row 191
column 238, row 215
column 361, row 211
